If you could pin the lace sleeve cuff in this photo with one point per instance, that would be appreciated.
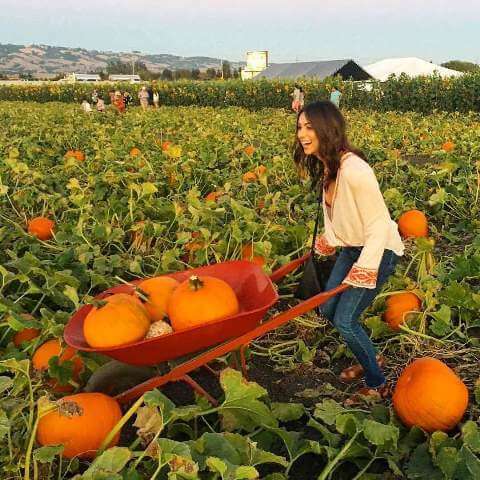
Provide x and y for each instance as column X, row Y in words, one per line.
column 361, row 277
column 322, row 247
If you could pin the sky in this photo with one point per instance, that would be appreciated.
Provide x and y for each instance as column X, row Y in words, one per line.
column 293, row 30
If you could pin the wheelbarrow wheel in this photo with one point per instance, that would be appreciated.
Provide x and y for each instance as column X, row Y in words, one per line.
column 115, row 377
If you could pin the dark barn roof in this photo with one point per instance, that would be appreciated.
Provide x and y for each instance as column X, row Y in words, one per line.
column 345, row 68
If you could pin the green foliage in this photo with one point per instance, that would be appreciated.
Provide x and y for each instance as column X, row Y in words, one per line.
column 131, row 217
column 422, row 94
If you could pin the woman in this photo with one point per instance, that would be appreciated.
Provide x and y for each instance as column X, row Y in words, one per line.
column 355, row 219
column 143, row 97
column 298, row 98
column 119, row 102
column 156, row 99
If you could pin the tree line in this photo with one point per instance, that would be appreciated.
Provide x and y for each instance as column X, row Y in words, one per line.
column 140, row 68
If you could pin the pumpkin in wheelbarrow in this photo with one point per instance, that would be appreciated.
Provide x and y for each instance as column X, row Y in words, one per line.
column 157, row 291
column 116, row 320
column 201, row 300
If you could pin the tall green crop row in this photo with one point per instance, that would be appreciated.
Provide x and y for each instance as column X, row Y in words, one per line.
column 423, row 94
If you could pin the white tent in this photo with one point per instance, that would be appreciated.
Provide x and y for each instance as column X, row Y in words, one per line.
column 411, row 66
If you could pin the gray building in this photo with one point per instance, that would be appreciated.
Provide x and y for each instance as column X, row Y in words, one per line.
column 347, row 69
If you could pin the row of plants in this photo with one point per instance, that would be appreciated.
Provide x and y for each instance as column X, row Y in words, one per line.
column 147, row 193
column 422, row 94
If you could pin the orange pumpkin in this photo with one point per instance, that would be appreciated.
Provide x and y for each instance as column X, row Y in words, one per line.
column 41, row 227
column 52, row 348
column 25, row 335
column 118, row 320
column 79, row 155
column 80, row 423
column 397, row 307
column 158, row 291
column 430, row 395
column 250, row 150
column 200, row 300
column 249, row 177
column 134, row 152
column 213, row 196
column 166, row 145
column 261, row 170
column 448, row 146
column 413, row 224
column 248, row 254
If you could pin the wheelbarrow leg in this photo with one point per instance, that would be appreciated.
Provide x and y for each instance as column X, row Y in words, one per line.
column 199, row 389
column 243, row 360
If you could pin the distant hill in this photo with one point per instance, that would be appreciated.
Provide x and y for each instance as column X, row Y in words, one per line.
column 47, row 60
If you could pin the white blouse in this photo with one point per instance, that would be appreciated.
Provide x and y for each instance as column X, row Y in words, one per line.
column 359, row 218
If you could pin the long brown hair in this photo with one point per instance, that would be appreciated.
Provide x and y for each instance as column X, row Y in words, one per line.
column 330, row 128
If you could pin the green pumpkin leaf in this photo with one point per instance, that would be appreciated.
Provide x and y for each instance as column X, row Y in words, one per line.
column 47, row 454
column 420, row 465
column 242, row 408
column 328, row 410
column 287, row 412
column 471, row 436
column 472, row 462
column 380, row 434
column 295, row 444
column 4, row 424
column 110, row 462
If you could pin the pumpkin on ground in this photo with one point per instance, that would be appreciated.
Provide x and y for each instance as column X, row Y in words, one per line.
column 134, row 152
column 79, row 155
column 213, row 196
column 249, row 150
column 200, row 300
column 117, row 320
column 26, row 334
column 430, row 395
column 413, row 224
column 398, row 305
column 261, row 170
column 448, row 146
column 249, row 254
column 52, row 348
column 41, row 227
column 249, row 177
column 80, row 423
column 158, row 290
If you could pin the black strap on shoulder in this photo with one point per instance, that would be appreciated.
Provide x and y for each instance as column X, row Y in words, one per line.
column 317, row 220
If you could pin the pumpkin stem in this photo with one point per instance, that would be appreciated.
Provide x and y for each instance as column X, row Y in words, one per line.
column 98, row 303
column 69, row 409
column 142, row 294
column 195, row 283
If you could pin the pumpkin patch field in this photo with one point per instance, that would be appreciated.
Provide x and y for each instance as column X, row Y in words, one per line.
column 90, row 201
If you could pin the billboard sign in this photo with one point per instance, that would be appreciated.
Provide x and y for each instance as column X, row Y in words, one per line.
column 257, row 61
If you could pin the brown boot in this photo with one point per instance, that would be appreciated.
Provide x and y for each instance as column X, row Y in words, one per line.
column 368, row 393
column 355, row 372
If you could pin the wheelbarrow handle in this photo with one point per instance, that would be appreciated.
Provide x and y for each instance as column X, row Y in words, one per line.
column 289, row 267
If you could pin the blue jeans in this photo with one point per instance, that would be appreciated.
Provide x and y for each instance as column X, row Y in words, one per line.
column 344, row 310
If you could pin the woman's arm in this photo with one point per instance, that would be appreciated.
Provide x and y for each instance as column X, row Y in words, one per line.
column 376, row 223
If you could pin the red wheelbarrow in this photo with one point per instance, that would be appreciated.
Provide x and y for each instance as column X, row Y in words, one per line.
column 256, row 294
